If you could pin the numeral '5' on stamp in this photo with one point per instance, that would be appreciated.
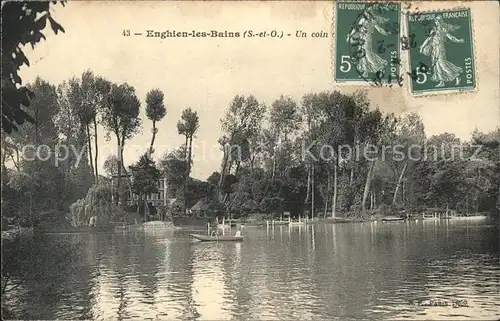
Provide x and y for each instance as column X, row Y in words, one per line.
column 442, row 57
column 367, row 47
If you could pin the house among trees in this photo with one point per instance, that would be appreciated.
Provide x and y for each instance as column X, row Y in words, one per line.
column 160, row 198
column 200, row 209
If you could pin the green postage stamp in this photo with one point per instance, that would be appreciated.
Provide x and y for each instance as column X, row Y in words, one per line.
column 367, row 42
column 441, row 54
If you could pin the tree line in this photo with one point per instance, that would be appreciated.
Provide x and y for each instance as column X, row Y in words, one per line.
column 75, row 114
column 273, row 157
column 269, row 171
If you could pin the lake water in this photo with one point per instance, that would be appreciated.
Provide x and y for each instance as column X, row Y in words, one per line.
column 321, row 271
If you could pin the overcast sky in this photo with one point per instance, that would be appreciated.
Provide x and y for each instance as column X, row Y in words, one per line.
column 205, row 74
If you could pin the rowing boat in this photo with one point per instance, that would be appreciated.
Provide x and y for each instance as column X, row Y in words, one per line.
column 208, row 238
column 341, row 220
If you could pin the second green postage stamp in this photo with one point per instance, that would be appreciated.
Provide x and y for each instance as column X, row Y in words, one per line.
column 441, row 53
column 367, row 42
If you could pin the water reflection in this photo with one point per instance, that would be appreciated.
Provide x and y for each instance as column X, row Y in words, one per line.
column 365, row 270
column 208, row 285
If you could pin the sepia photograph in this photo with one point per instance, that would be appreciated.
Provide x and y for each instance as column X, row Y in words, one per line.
column 250, row 160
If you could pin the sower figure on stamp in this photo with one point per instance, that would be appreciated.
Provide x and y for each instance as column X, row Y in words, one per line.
column 434, row 46
column 368, row 62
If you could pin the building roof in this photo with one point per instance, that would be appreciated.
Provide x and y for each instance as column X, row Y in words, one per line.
column 201, row 205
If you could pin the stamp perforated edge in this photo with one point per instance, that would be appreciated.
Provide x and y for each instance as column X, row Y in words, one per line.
column 445, row 92
column 361, row 82
column 333, row 53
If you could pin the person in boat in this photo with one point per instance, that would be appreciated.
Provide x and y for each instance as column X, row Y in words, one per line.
column 93, row 221
column 238, row 233
column 214, row 232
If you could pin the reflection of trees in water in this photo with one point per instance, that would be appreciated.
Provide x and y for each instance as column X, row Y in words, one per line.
column 180, row 283
column 134, row 254
column 121, row 264
column 350, row 268
column 150, row 258
column 351, row 271
column 121, row 295
column 236, row 282
column 277, row 264
column 304, row 252
column 132, row 266
column 404, row 262
column 454, row 254
column 80, row 294
column 37, row 273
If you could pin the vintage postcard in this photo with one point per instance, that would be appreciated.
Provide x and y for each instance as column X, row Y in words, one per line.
column 250, row 160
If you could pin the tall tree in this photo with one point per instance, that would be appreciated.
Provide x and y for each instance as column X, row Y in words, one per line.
column 145, row 180
column 68, row 124
column 333, row 107
column 188, row 126
column 241, row 124
column 483, row 170
column 48, row 191
column 34, row 145
column 100, row 88
column 332, row 126
column 155, row 111
column 410, row 136
column 174, row 167
column 121, row 117
column 309, row 116
column 284, row 120
column 88, row 97
column 76, row 167
column 44, row 107
column 447, row 184
column 376, row 131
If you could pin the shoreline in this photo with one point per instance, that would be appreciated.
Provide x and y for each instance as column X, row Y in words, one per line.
column 16, row 232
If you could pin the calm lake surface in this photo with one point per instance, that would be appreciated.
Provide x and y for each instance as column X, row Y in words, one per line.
column 321, row 271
